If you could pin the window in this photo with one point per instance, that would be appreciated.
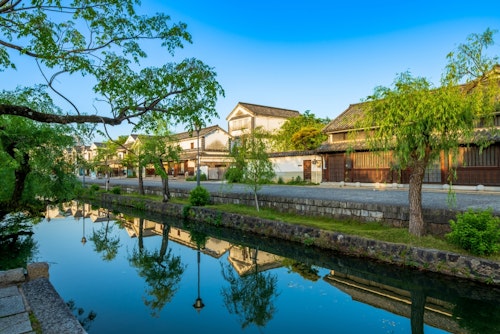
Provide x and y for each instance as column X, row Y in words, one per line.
column 192, row 145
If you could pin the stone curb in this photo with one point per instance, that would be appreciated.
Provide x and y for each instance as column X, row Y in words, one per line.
column 23, row 291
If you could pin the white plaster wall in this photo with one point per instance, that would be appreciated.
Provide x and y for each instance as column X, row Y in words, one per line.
column 269, row 123
column 292, row 166
column 216, row 140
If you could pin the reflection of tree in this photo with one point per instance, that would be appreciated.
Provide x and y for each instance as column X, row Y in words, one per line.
column 477, row 316
column 161, row 270
column 305, row 270
column 250, row 296
column 104, row 243
column 16, row 241
column 84, row 320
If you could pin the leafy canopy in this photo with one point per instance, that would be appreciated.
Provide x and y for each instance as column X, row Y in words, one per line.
column 303, row 132
column 104, row 40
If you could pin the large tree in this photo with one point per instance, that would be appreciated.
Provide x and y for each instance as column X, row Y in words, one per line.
column 300, row 133
column 32, row 164
column 418, row 121
column 101, row 40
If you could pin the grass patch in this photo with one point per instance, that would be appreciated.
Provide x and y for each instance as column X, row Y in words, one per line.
column 369, row 230
column 35, row 324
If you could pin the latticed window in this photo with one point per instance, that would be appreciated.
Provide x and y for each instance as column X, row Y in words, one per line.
column 472, row 157
column 371, row 159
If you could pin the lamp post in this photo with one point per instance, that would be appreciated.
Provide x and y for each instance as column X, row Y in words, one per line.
column 198, row 156
column 198, row 303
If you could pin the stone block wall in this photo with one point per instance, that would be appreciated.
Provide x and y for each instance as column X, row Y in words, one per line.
column 437, row 220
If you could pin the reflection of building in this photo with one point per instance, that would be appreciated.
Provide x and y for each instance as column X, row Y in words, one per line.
column 246, row 260
column 213, row 247
column 437, row 313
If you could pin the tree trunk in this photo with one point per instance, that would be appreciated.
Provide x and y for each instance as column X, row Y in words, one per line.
column 256, row 200
column 417, row 311
column 141, row 181
column 164, row 182
column 416, row 223
column 166, row 189
column 21, row 174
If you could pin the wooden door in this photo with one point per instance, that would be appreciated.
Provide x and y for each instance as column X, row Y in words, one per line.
column 306, row 167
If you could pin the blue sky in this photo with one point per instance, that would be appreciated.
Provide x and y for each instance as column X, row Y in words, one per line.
column 315, row 55
column 324, row 55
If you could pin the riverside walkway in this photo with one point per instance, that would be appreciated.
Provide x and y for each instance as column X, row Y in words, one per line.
column 433, row 196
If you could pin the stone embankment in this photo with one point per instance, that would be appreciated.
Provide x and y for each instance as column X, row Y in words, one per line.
column 453, row 264
column 24, row 293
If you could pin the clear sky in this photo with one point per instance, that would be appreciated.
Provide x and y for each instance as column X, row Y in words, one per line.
column 319, row 55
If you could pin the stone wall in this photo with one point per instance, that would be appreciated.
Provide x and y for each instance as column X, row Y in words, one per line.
column 437, row 220
column 400, row 254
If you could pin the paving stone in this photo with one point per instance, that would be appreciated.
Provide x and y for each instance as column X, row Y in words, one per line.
column 11, row 305
column 16, row 324
column 9, row 291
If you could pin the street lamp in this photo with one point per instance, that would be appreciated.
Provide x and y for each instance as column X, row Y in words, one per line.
column 198, row 303
column 198, row 156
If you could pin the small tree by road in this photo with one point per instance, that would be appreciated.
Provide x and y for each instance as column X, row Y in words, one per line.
column 251, row 162
column 417, row 121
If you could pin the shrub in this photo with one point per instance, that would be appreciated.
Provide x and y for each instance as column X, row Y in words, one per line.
column 199, row 196
column 203, row 177
column 116, row 190
column 95, row 187
column 476, row 231
column 280, row 180
column 234, row 175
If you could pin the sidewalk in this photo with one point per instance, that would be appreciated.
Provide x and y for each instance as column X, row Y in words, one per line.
column 22, row 294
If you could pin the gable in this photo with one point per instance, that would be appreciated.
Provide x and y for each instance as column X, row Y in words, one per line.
column 248, row 109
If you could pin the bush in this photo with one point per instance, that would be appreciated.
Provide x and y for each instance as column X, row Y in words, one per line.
column 199, row 196
column 476, row 231
column 234, row 175
column 116, row 190
column 203, row 177
column 95, row 187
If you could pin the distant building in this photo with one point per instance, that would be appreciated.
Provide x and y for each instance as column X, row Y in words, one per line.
column 246, row 117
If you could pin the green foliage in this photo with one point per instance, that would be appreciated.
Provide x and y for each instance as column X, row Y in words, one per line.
column 476, row 231
column 102, row 41
column 116, row 190
column 203, row 177
column 308, row 138
column 95, row 187
column 300, row 133
column 17, row 245
column 199, row 196
column 250, row 156
column 234, row 175
column 186, row 211
column 417, row 121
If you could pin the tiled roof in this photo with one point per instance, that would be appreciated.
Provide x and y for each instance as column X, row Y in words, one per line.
column 346, row 120
column 342, row 146
column 269, row 111
column 193, row 134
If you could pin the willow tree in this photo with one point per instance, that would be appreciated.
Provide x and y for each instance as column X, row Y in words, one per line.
column 417, row 121
column 102, row 40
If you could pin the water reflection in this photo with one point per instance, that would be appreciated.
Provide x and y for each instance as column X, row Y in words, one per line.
column 251, row 269
column 251, row 293
column 161, row 270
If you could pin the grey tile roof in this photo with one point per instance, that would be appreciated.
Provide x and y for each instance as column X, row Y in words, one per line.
column 260, row 110
column 193, row 134
column 346, row 120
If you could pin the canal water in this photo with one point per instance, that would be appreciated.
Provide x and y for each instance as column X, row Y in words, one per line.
column 142, row 273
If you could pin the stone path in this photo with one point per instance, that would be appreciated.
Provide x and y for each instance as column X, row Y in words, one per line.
column 21, row 294
column 14, row 316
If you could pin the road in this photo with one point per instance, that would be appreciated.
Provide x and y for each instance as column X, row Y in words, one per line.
column 433, row 198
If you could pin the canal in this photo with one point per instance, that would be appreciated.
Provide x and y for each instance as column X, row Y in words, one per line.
column 129, row 272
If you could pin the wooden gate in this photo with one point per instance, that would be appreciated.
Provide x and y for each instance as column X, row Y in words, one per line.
column 306, row 167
